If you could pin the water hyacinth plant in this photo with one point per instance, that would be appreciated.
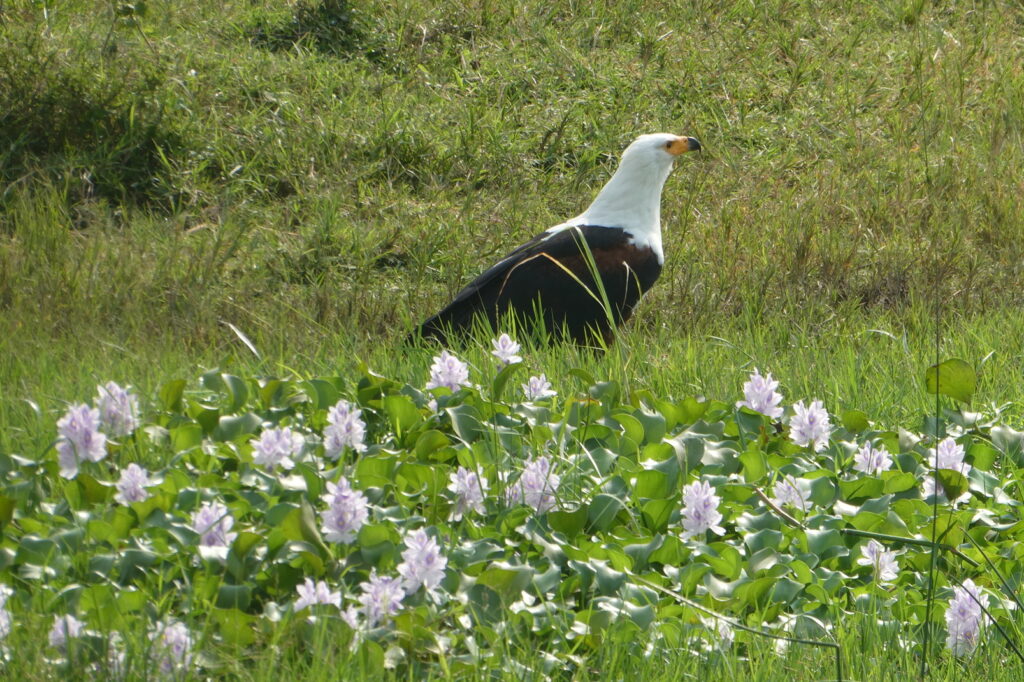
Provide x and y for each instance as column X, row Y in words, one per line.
column 392, row 510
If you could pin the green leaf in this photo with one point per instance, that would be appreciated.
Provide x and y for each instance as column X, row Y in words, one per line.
column 7, row 505
column 402, row 413
column 233, row 428
column 953, row 483
column 651, row 483
column 502, row 378
column 861, row 488
column 754, row 465
column 466, row 422
column 323, row 394
column 430, row 441
column 657, row 513
column 603, row 510
column 234, row 597
column 570, row 523
column 507, row 580
column 954, row 378
column 186, row 437
column 898, row 481
column 234, row 626
column 855, row 421
column 170, row 395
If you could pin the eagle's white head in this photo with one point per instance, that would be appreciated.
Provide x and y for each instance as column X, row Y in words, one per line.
column 632, row 198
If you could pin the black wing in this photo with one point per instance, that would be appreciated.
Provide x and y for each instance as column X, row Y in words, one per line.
column 549, row 279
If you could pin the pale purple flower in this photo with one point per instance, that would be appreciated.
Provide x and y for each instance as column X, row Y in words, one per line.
column 700, row 510
column 65, row 628
column 947, row 455
column 963, row 618
column 505, row 350
column 538, row 388
column 311, row 593
column 345, row 430
column 132, row 485
column 381, row 598
column 5, row 615
column 351, row 617
column 874, row 554
column 172, row 645
column 346, row 513
column 276, row 447
column 448, row 371
column 809, row 426
column 871, row 460
column 212, row 522
column 119, row 409
column 536, row 487
column 422, row 562
column 760, row 395
column 788, row 491
column 469, row 489
column 80, row 439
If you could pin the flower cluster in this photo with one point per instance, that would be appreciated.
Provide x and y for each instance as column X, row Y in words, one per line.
column 347, row 511
column 118, row 409
column 759, row 395
column 422, row 563
column 948, row 454
column 788, row 491
column 810, row 426
column 132, row 485
column 381, row 598
column 172, row 647
column 963, row 618
column 874, row 554
column 537, row 388
column 311, row 593
column 536, row 487
column 345, row 429
column 448, row 371
column 276, row 447
column 80, row 439
column 470, row 490
column 5, row 615
column 213, row 522
column 505, row 349
column 65, row 628
column 871, row 460
column 700, row 510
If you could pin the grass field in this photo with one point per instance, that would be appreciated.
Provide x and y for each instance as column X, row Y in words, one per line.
column 320, row 175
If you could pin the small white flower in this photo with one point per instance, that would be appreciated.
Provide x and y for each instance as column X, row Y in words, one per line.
column 381, row 598
column 5, row 615
column 212, row 522
column 947, row 455
column 536, row 487
column 760, row 395
column 422, row 562
column 874, row 553
column 65, row 628
column 118, row 409
column 505, row 350
column 347, row 511
column 871, row 460
column 316, row 593
column 172, row 647
column 722, row 631
column 700, row 510
column 80, row 439
column 469, row 490
column 964, row 618
column 276, row 447
column 448, row 371
column 810, row 426
column 132, row 485
column 788, row 491
column 538, row 388
column 345, row 430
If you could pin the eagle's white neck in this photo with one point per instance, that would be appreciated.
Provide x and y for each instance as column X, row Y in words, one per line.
column 632, row 200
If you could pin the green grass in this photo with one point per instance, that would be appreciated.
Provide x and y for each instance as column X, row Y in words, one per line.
column 323, row 175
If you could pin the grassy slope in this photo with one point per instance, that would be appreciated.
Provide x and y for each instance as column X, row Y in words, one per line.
column 161, row 179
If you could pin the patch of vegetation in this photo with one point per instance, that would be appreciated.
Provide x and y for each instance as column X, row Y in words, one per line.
column 328, row 27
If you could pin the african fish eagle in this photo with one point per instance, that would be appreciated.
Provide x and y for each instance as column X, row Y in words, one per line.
column 550, row 278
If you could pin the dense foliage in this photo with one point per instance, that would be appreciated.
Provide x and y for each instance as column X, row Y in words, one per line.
column 433, row 528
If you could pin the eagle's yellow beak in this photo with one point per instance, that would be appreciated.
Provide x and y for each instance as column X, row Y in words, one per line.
column 683, row 144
